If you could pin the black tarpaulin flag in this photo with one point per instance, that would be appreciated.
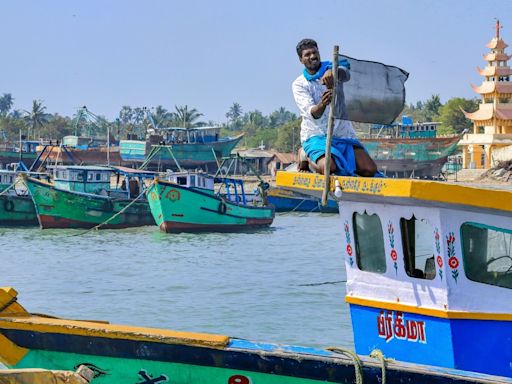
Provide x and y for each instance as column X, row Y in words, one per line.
column 372, row 93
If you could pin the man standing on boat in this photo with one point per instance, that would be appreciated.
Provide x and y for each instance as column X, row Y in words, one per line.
column 312, row 91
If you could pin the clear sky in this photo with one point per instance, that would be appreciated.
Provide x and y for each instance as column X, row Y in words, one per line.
column 209, row 54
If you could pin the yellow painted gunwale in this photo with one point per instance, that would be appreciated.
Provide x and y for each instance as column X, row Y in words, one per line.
column 434, row 312
column 433, row 191
column 111, row 331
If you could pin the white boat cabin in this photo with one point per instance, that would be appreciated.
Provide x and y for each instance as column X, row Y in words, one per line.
column 109, row 181
column 198, row 180
column 7, row 178
column 429, row 269
column 86, row 179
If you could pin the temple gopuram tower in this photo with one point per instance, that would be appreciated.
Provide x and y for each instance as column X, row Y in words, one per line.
column 492, row 122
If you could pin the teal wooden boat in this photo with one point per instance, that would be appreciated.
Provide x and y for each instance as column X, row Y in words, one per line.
column 181, row 147
column 187, row 202
column 411, row 157
column 92, row 196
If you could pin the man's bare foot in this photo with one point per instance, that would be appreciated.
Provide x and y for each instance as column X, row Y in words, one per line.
column 303, row 161
column 303, row 166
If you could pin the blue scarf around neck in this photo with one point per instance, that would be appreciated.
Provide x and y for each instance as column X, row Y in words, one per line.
column 324, row 66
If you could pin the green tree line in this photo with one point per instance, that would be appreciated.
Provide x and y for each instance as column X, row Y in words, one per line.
column 279, row 130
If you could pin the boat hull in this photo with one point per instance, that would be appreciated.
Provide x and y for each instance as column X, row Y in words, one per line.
column 58, row 208
column 182, row 209
column 421, row 339
column 17, row 211
column 424, row 157
column 70, row 156
column 8, row 157
column 288, row 201
column 188, row 154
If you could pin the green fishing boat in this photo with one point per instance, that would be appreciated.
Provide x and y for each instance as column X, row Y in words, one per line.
column 185, row 147
column 92, row 196
column 187, row 202
column 408, row 149
column 16, row 206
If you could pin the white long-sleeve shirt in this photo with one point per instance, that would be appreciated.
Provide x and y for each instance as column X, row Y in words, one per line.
column 307, row 94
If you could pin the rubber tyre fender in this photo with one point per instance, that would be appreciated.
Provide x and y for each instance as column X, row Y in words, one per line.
column 222, row 208
column 8, row 205
column 108, row 206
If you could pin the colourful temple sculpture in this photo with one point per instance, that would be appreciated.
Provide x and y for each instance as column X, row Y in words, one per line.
column 492, row 122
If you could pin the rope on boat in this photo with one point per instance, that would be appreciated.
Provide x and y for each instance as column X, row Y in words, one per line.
column 377, row 354
column 358, row 365
column 8, row 188
column 294, row 209
column 117, row 214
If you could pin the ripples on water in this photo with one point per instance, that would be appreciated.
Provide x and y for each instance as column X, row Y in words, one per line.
column 284, row 284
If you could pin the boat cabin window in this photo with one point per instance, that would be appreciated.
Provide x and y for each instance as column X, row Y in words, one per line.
column 192, row 181
column 181, row 180
column 370, row 253
column 418, row 248
column 487, row 255
column 62, row 174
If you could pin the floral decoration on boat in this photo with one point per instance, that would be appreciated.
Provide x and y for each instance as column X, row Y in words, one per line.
column 393, row 254
column 349, row 243
column 453, row 261
column 439, row 259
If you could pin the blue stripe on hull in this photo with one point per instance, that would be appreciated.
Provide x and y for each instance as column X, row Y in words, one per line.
column 285, row 204
column 483, row 346
column 472, row 345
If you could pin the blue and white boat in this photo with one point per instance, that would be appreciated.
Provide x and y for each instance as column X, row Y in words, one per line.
column 429, row 269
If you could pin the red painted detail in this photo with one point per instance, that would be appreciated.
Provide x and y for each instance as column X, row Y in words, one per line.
column 394, row 255
column 392, row 324
column 439, row 261
column 349, row 250
column 453, row 262
column 173, row 195
column 239, row 379
column 172, row 226
column 47, row 222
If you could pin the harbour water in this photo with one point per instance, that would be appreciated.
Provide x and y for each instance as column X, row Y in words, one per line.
column 285, row 284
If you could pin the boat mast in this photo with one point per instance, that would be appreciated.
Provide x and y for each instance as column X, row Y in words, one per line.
column 108, row 144
column 330, row 125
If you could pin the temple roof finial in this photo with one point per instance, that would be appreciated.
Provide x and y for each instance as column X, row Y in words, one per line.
column 498, row 27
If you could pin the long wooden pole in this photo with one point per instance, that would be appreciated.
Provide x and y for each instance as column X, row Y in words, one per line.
column 330, row 125
column 108, row 144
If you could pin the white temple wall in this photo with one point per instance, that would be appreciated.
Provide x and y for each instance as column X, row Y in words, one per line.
column 502, row 154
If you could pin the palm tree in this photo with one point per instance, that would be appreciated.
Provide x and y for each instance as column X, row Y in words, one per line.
column 234, row 114
column 6, row 102
column 432, row 106
column 37, row 117
column 161, row 116
column 280, row 117
column 186, row 118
